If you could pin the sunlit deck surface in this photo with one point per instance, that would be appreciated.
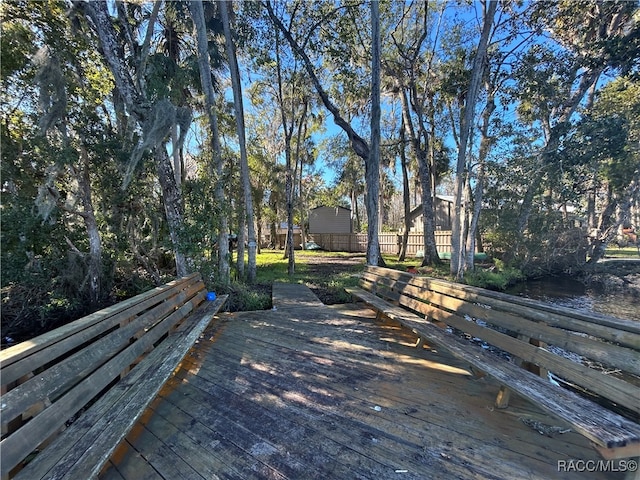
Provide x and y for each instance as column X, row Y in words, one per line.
column 308, row 391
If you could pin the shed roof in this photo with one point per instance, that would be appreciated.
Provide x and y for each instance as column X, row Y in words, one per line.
column 328, row 206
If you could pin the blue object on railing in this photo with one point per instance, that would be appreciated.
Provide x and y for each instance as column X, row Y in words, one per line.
column 211, row 296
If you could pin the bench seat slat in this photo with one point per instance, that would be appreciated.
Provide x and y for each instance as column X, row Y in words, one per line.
column 28, row 356
column 15, row 353
column 610, row 354
column 603, row 427
column 28, row 437
column 608, row 386
column 56, row 380
column 83, row 449
column 449, row 310
column 624, row 332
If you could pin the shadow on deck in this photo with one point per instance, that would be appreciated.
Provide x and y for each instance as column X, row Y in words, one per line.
column 317, row 392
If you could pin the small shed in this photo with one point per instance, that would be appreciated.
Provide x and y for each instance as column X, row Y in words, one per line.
column 443, row 208
column 325, row 219
column 282, row 236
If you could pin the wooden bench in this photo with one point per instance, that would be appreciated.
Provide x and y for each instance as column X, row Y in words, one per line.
column 71, row 395
column 531, row 343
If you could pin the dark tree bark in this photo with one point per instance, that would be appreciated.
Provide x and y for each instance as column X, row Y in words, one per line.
column 372, row 164
column 406, row 200
column 419, row 138
column 173, row 208
column 431, row 256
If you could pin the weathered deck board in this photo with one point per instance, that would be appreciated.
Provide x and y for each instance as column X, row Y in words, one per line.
column 293, row 295
column 279, row 395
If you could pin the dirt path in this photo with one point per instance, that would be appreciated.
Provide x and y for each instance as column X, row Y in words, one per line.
column 332, row 265
column 323, row 269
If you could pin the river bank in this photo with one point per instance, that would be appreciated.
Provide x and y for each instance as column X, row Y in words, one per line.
column 611, row 287
column 614, row 275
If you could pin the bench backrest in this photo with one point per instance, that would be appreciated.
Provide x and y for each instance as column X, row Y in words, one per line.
column 514, row 324
column 47, row 380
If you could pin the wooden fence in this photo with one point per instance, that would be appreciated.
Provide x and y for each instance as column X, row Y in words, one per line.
column 389, row 242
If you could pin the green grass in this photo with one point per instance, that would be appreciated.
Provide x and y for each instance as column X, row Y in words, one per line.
column 441, row 271
column 271, row 266
column 624, row 252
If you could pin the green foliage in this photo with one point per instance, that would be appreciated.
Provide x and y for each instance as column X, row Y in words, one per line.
column 243, row 297
column 499, row 243
column 15, row 48
column 43, row 247
column 497, row 279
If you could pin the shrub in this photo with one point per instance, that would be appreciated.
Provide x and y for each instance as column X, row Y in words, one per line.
column 496, row 279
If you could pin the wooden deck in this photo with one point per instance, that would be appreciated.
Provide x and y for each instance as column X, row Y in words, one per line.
column 307, row 391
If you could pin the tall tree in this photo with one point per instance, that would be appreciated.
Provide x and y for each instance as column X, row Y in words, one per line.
column 358, row 143
column 291, row 108
column 604, row 150
column 595, row 36
column 410, row 67
column 372, row 171
column 457, row 240
column 155, row 121
column 501, row 54
column 288, row 121
column 226, row 13
column 204, row 66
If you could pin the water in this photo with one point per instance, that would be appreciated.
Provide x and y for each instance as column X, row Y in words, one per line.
column 568, row 292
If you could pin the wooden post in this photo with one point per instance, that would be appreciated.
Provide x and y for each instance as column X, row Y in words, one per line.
column 504, row 395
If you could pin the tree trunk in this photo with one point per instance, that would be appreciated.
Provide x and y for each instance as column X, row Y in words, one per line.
column 359, row 145
column 225, row 13
column 94, row 268
column 372, row 163
column 137, row 106
column 606, row 229
column 197, row 14
column 288, row 249
column 406, row 199
column 355, row 211
column 472, row 234
column 99, row 14
column 173, row 208
column 303, row 213
column 431, row 256
column 273, row 233
column 300, row 163
column 175, row 153
column 259, row 219
column 485, row 144
column 457, row 245
column 242, row 227
column 287, row 127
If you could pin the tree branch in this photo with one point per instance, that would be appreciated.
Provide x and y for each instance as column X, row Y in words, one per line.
column 360, row 146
